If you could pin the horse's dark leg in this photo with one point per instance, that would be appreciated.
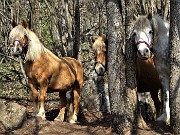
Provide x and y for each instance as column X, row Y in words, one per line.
column 157, row 103
column 76, row 101
column 34, row 96
column 63, row 101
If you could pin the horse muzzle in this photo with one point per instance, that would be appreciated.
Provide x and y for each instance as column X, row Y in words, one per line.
column 16, row 52
column 145, row 55
column 100, row 69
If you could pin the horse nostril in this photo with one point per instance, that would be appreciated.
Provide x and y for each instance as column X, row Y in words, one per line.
column 147, row 51
column 139, row 53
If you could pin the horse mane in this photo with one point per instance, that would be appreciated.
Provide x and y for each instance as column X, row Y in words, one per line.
column 35, row 47
column 160, row 27
column 141, row 22
column 99, row 44
column 18, row 30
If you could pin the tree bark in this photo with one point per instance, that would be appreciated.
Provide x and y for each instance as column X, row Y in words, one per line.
column 77, row 30
column 175, row 65
column 121, row 102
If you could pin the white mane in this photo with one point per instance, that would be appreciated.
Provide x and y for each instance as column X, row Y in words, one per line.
column 35, row 47
column 161, row 37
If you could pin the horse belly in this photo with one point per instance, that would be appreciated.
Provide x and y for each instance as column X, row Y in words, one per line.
column 61, row 84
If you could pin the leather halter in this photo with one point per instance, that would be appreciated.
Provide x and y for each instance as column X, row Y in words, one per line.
column 148, row 45
column 22, row 45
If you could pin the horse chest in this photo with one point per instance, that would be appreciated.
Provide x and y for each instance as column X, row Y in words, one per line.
column 147, row 75
column 36, row 72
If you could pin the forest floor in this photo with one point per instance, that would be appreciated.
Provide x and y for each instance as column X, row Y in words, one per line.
column 89, row 123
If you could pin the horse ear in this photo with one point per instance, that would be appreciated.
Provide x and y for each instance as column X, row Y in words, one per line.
column 24, row 24
column 104, row 37
column 14, row 24
column 94, row 38
column 149, row 16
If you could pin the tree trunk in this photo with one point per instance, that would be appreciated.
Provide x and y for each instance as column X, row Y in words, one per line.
column 121, row 102
column 77, row 30
column 175, row 66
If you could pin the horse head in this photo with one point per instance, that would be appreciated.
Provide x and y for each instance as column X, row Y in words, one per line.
column 18, row 38
column 143, row 33
column 99, row 46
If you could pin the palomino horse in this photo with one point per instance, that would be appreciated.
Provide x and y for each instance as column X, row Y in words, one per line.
column 47, row 72
column 152, row 37
column 100, row 48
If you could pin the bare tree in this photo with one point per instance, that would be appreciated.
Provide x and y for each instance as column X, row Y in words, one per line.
column 77, row 30
column 175, row 66
column 123, row 99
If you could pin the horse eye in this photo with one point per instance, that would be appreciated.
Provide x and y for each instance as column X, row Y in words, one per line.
column 150, row 32
column 134, row 33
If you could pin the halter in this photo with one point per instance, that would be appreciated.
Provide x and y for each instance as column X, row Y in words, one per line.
column 148, row 45
column 22, row 45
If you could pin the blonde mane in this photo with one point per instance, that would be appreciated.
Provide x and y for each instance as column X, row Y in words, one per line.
column 35, row 48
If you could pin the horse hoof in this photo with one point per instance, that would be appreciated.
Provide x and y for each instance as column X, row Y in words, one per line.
column 42, row 116
column 58, row 119
column 164, row 118
column 72, row 121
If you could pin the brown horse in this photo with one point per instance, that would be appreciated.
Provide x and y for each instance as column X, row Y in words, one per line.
column 47, row 72
column 100, row 48
column 148, row 80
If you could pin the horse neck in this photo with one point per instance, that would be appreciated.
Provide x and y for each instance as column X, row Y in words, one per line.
column 35, row 47
column 161, row 38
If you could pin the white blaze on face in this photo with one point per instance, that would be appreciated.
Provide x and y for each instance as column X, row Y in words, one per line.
column 146, row 36
column 16, row 46
column 99, row 67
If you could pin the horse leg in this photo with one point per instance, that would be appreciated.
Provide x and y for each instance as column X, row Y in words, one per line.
column 63, row 101
column 42, row 99
column 157, row 103
column 76, row 101
column 141, row 121
column 166, row 110
column 34, row 97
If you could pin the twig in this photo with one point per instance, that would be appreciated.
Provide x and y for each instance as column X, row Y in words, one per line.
column 1, row 54
column 22, row 69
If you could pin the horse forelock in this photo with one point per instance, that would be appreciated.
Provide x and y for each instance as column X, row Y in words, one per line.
column 19, row 31
column 141, row 23
column 99, row 44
